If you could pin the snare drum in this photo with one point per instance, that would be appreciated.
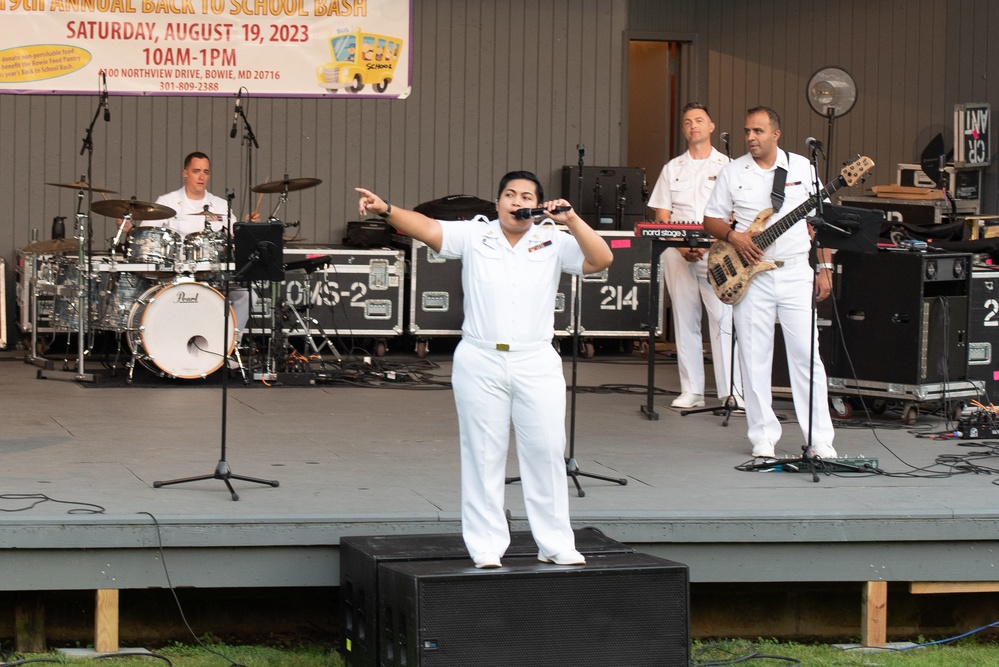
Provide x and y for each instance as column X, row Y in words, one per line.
column 153, row 245
column 206, row 249
column 176, row 330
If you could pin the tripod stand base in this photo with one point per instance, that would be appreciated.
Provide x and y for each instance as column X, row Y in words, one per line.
column 222, row 472
column 67, row 376
column 573, row 471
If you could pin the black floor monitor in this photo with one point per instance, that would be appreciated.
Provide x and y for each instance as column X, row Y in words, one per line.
column 849, row 228
column 259, row 250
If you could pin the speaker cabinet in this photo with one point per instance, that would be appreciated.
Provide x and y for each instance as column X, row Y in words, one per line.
column 903, row 316
column 618, row 609
column 609, row 198
column 361, row 556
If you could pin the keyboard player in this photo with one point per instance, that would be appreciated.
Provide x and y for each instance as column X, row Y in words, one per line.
column 680, row 194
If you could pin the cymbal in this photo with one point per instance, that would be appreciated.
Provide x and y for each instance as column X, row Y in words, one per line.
column 208, row 214
column 51, row 247
column 288, row 184
column 82, row 185
column 138, row 210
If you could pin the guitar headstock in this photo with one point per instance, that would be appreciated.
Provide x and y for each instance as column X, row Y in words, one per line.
column 857, row 170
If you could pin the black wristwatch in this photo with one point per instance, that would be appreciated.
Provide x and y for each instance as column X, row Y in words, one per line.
column 388, row 209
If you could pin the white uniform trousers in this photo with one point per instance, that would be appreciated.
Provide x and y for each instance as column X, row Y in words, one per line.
column 491, row 389
column 688, row 287
column 239, row 299
column 784, row 295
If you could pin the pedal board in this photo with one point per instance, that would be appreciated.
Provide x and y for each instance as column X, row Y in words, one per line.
column 978, row 425
column 844, row 464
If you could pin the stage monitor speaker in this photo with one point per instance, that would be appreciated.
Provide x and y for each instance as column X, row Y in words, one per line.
column 903, row 316
column 360, row 557
column 618, row 609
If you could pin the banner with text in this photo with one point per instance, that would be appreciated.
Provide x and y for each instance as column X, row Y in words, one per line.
column 286, row 48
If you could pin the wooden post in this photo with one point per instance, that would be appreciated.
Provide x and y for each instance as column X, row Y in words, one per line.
column 106, row 621
column 29, row 623
column 874, row 614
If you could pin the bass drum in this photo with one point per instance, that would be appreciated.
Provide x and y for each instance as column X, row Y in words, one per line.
column 176, row 330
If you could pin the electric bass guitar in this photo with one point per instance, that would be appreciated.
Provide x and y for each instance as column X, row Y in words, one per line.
column 730, row 274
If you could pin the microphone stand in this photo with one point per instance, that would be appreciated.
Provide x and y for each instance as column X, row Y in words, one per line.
column 222, row 470
column 730, row 404
column 250, row 141
column 84, row 255
column 571, row 467
column 817, row 222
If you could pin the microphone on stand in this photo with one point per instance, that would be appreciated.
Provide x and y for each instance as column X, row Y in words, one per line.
column 814, row 144
column 528, row 213
column 104, row 96
column 235, row 113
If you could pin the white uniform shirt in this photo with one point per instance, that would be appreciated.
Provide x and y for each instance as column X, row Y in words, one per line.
column 743, row 187
column 185, row 223
column 685, row 184
column 510, row 291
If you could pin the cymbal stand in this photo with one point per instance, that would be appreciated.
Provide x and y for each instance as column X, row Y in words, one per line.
column 301, row 322
column 282, row 200
column 83, row 277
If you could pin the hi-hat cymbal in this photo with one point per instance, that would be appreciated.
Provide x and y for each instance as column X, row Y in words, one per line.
column 51, row 247
column 286, row 185
column 138, row 210
column 208, row 214
column 82, row 185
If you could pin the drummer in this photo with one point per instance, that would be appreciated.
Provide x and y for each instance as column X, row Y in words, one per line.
column 189, row 202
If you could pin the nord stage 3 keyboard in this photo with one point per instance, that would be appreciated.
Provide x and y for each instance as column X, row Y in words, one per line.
column 690, row 234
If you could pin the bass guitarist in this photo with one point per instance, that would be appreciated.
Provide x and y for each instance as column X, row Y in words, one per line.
column 745, row 187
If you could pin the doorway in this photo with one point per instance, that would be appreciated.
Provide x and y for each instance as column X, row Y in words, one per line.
column 657, row 80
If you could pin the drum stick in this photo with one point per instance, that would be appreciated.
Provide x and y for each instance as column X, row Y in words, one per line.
column 256, row 210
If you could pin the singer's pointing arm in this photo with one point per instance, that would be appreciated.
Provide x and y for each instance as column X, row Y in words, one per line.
column 410, row 223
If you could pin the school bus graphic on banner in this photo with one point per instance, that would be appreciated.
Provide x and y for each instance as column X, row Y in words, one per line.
column 360, row 59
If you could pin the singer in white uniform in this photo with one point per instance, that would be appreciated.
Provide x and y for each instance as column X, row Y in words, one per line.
column 505, row 368
column 681, row 194
column 784, row 294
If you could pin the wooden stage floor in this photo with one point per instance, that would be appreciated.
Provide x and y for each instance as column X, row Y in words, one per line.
column 361, row 460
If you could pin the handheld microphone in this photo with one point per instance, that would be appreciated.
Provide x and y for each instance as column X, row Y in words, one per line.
column 235, row 113
column 104, row 96
column 528, row 213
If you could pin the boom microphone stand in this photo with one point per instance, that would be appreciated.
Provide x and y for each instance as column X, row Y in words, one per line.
column 85, row 252
column 817, row 222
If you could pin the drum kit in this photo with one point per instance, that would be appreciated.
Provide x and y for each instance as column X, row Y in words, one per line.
column 164, row 294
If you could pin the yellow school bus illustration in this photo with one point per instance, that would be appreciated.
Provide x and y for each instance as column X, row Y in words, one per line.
column 360, row 58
